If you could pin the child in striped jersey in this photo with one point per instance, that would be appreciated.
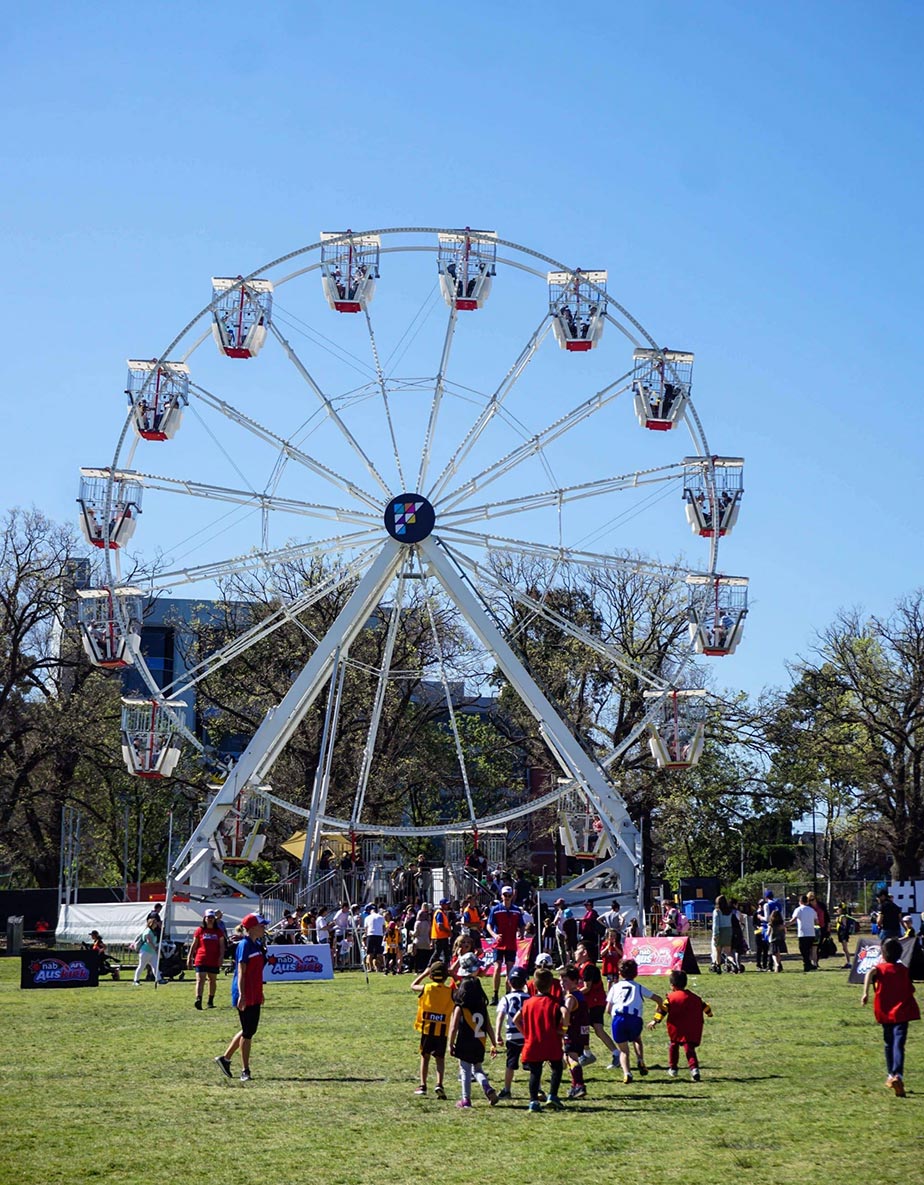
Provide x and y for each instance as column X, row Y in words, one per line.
column 507, row 1032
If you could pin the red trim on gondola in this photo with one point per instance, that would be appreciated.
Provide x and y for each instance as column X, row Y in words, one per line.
column 112, row 664
column 465, row 305
column 715, row 651
column 659, row 425
column 348, row 306
column 153, row 435
column 237, row 352
column 578, row 347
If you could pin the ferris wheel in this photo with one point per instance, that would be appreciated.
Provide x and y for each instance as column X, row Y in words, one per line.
column 406, row 405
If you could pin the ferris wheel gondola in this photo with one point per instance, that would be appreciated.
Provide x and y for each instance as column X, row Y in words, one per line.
column 447, row 454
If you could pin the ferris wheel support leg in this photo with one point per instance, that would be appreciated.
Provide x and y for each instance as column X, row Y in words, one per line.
column 198, row 864
column 621, row 831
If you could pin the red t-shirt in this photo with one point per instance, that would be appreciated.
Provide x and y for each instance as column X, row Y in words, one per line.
column 540, row 1020
column 594, row 994
column 685, row 1012
column 554, row 991
column 209, row 950
column 893, row 999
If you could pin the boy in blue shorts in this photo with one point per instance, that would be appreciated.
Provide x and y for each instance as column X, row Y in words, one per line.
column 624, row 1003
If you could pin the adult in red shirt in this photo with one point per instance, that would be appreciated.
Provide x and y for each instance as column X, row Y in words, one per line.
column 540, row 1021
column 205, row 954
column 894, row 1007
column 505, row 924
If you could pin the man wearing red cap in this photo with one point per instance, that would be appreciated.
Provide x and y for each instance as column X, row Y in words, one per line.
column 246, row 992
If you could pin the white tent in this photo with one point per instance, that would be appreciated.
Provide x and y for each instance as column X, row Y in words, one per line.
column 121, row 923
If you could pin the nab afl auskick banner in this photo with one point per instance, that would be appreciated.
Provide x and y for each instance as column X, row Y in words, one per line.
column 59, row 969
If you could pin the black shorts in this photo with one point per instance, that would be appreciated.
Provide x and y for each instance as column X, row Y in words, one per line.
column 575, row 1050
column 374, row 944
column 250, row 1019
column 505, row 958
column 203, row 970
column 514, row 1053
column 434, row 1045
column 595, row 1013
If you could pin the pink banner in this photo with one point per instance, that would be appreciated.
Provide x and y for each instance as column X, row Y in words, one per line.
column 488, row 946
column 656, row 956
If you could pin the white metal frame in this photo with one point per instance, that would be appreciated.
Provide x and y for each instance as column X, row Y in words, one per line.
column 466, row 519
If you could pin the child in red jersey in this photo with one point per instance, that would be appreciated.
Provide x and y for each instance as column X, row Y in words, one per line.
column 611, row 956
column 544, row 963
column 540, row 1022
column 894, row 1006
column 684, row 1011
column 595, row 998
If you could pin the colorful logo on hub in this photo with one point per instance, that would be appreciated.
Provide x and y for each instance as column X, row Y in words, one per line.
column 409, row 518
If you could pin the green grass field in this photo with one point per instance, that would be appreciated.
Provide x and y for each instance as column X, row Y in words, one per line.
column 118, row 1084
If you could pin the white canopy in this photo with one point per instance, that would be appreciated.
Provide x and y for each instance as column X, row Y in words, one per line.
column 121, row 923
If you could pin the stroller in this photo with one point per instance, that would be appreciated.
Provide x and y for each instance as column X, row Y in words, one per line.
column 172, row 959
column 106, row 965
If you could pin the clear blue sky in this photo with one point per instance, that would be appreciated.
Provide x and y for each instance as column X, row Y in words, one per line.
column 749, row 174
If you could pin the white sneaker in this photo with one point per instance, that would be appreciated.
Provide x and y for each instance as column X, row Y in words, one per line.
column 587, row 1058
column 672, row 1073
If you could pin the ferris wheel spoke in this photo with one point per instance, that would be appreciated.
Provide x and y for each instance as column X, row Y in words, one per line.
column 483, row 575
column 235, row 565
column 536, row 443
column 241, row 643
column 589, row 489
column 546, row 551
column 437, row 399
column 494, row 405
column 383, row 389
column 287, row 448
column 379, row 702
column 331, row 411
column 447, row 693
column 254, row 498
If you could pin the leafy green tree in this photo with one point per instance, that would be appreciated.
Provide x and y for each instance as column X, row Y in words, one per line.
column 862, row 706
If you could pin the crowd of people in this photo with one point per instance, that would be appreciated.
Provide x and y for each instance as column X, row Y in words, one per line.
column 543, row 1021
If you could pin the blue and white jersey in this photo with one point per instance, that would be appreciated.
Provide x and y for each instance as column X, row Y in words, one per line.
column 508, row 1010
column 626, row 997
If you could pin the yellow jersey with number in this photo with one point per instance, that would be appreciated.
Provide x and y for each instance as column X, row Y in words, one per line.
column 434, row 1008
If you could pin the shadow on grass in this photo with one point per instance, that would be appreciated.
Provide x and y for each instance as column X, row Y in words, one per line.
column 317, row 1078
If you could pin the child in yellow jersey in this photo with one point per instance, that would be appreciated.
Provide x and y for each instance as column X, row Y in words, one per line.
column 434, row 1008
column 393, row 949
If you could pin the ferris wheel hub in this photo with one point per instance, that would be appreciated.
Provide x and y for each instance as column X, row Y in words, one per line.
column 409, row 518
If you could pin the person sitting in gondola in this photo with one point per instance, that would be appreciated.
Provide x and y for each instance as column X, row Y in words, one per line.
column 567, row 319
column 587, row 319
column 452, row 271
column 359, row 274
column 670, row 394
column 482, row 268
column 720, row 628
